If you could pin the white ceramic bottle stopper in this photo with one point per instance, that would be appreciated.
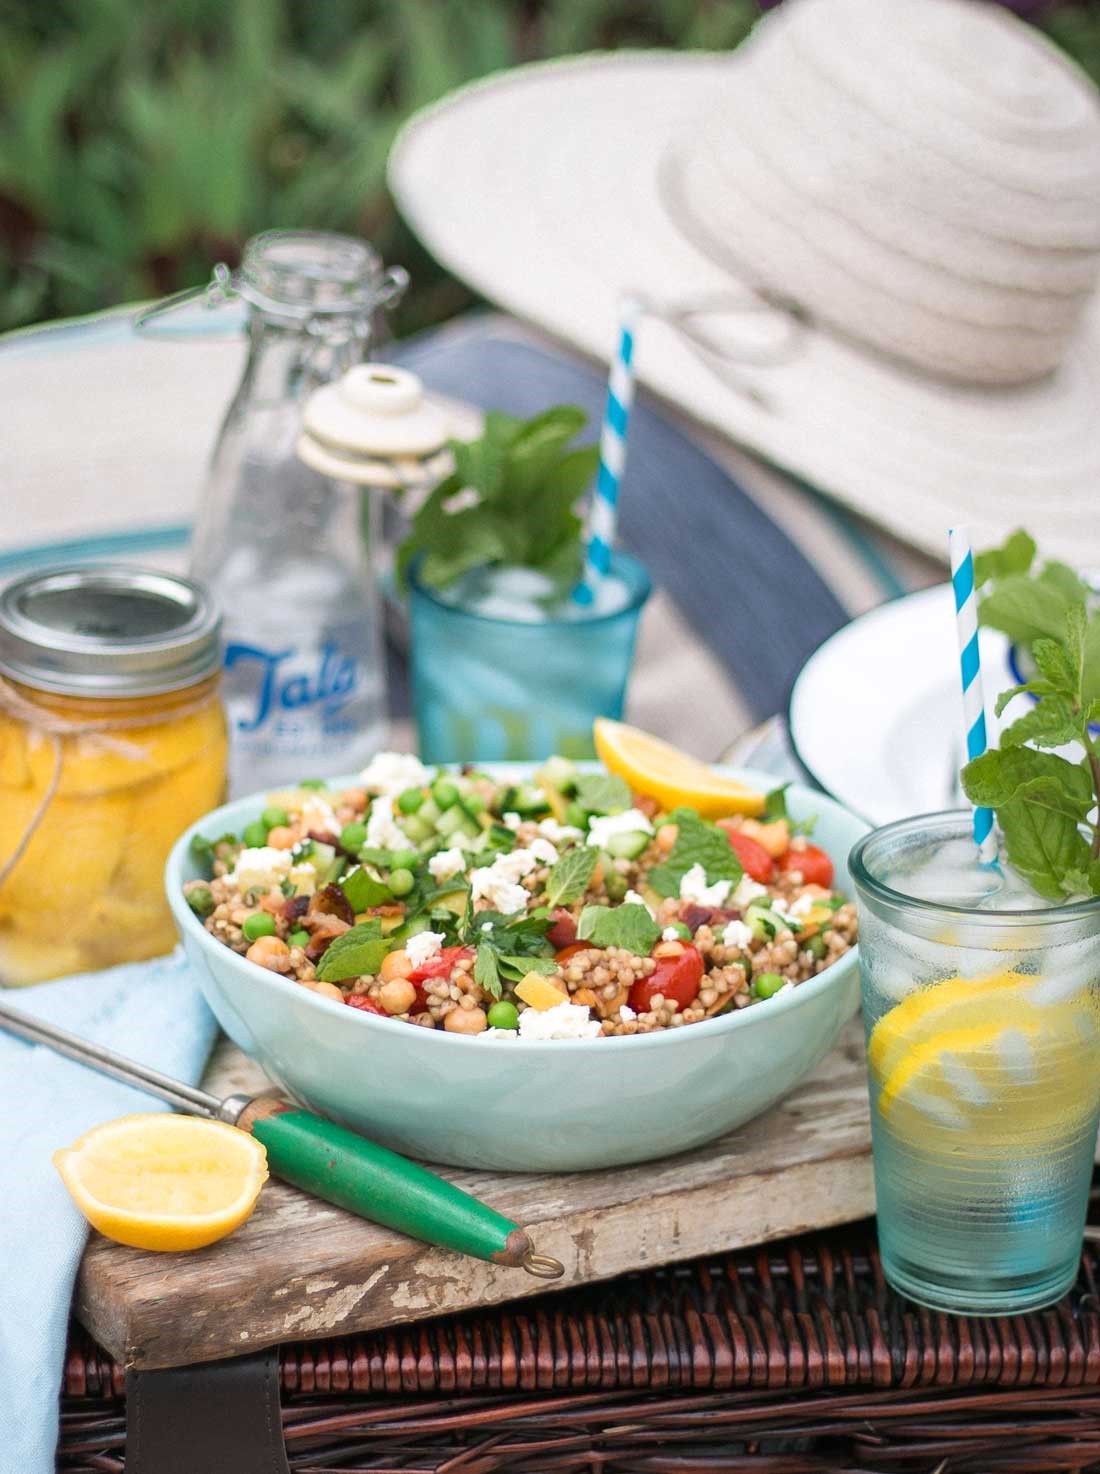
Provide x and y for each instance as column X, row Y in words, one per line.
column 374, row 426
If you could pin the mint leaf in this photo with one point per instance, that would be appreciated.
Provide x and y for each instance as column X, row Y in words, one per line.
column 568, row 880
column 1015, row 555
column 697, row 843
column 1057, row 665
column 362, row 890
column 999, row 775
column 517, row 968
column 1028, row 609
column 1030, row 688
column 356, row 953
column 1044, row 846
column 603, row 793
column 1051, row 723
column 629, row 926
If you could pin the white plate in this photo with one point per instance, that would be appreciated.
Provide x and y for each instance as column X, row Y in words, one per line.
column 876, row 712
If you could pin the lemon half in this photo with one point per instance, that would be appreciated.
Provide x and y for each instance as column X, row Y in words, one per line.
column 672, row 777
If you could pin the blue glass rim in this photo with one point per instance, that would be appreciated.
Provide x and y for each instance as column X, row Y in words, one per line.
column 623, row 565
column 942, row 825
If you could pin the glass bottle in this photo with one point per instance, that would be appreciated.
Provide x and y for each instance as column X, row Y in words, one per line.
column 285, row 550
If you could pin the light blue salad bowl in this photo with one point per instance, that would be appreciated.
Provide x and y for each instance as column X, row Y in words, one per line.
column 527, row 1106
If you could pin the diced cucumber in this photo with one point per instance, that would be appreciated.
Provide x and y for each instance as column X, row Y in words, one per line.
column 456, row 821
column 615, row 884
column 526, row 800
column 429, row 811
column 326, row 862
column 561, row 774
column 763, row 923
column 417, row 827
column 627, row 846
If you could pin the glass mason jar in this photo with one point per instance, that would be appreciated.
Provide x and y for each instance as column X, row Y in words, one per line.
column 982, row 1011
column 285, row 550
column 112, row 741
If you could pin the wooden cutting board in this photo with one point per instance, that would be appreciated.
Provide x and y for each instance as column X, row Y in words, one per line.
column 300, row 1269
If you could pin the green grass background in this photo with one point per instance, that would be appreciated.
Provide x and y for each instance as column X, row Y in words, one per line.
column 139, row 143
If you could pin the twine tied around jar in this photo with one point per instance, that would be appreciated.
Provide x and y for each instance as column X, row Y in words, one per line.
column 54, row 727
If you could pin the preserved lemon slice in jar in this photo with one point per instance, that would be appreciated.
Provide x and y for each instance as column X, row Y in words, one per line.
column 112, row 741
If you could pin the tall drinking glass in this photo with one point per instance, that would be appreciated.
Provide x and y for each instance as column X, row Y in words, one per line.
column 496, row 688
column 980, row 1002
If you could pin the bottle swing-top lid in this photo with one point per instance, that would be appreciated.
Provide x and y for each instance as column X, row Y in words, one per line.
column 375, row 426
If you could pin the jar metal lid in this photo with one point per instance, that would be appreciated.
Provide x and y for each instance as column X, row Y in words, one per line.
column 108, row 630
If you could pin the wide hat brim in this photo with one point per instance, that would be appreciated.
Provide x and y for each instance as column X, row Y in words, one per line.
column 542, row 188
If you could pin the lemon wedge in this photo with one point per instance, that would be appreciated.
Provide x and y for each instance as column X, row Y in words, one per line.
column 661, row 771
column 955, row 1003
column 164, row 1182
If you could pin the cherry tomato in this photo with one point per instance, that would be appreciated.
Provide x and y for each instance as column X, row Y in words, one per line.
column 813, row 864
column 564, row 953
column 755, row 860
column 676, row 978
column 440, row 965
column 563, row 929
column 365, row 1004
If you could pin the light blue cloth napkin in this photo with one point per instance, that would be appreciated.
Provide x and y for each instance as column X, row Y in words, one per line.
column 150, row 1011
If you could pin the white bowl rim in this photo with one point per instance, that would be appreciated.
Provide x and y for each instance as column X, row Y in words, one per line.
column 757, row 1015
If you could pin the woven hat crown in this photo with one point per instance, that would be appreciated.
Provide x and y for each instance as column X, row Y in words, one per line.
column 921, row 175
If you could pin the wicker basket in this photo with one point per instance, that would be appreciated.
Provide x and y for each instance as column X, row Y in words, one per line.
column 787, row 1359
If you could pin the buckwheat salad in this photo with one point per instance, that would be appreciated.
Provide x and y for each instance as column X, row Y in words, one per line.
column 564, row 907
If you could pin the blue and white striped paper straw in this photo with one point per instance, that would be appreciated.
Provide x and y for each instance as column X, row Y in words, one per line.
column 970, row 665
column 603, row 516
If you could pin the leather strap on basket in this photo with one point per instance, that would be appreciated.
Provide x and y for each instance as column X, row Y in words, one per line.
column 217, row 1417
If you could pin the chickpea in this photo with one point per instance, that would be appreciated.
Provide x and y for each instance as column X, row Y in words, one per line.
column 666, row 837
column 354, row 798
column 282, row 837
column 395, row 965
column 327, row 990
column 466, row 1021
column 397, row 996
column 271, row 953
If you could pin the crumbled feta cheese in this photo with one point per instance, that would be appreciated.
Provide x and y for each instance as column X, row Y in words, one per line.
column 737, row 934
column 630, row 821
column 803, row 906
column 303, row 878
column 390, row 773
column 447, row 863
column 423, row 946
column 497, row 1034
column 746, row 892
column 557, row 833
column 511, row 821
column 563, row 1021
column 261, row 868
column 317, row 816
column 543, row 850
column 693, row 887
column 486, row 926
column 498, row 883
column 670, row 934
column 632, row 898
column 626, row 1013
column 383, row 831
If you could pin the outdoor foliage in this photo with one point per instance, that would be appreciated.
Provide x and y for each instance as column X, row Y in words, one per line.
column 141, row 143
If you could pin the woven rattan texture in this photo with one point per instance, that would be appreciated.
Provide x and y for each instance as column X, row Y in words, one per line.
column 791, row 1358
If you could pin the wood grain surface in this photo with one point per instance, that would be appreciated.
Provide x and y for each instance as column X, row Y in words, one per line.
column 300, row 1269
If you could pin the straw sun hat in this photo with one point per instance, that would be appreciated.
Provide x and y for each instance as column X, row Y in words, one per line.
column 868, row 240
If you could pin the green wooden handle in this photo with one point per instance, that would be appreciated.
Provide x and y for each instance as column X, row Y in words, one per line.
column 343, row 1168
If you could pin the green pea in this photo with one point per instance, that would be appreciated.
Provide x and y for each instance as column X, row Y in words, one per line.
column 576, row 816
column 352, row 836
column 312, row 783
column 445, row 793
column 275, row 818
column 401, row 882
column 503, row 1015
column 258, row 925
column 409, row 801
column 255, row 834
column 816, row 946
column 682, row 931
column 201, row 900
column 767, row 984
column 403, row 860
column 299, row 938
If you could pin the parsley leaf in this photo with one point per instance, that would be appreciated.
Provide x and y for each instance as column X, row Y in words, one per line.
column 603, row 793
column 486, row 973
column 697, row 843
column 354, row 954
column 629, row 926
column 568, row 880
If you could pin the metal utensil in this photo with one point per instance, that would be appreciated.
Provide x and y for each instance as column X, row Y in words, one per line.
column 321, row 1158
